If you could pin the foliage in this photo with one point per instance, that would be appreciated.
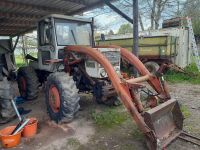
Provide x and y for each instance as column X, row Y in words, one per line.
column 192, row 9
column 125, row 28
column 190, row 75
column 111, row 32
column 19, row 61
column 109, row 117
column 157, row 10
column 185, row 111
column 196, row 26
column 73, row 142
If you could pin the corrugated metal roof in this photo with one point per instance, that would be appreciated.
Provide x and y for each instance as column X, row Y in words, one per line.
column 17, row 16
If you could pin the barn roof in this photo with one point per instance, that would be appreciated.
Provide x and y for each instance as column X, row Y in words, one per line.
column 19, row 16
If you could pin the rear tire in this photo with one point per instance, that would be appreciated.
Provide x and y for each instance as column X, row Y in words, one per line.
column 6, row 94
column 28, row 83
column 62, row 97
column 152, row 66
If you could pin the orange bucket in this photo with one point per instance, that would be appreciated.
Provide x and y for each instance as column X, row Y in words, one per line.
column 31, row 128
column 8, row 140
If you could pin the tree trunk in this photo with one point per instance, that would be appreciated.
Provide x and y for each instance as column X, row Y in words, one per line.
column 141, row 23
column 153, row 14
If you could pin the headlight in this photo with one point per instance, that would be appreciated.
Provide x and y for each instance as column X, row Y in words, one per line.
column 103, row 73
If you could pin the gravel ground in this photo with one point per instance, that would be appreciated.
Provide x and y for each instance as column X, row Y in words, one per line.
column 83, row 134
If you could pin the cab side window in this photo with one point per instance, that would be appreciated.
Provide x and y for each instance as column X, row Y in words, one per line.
column 45, row 31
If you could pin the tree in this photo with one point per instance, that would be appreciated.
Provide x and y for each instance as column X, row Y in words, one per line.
column 111, row 32
column 151, row 12
column 192, row 9
column 125, row 28
column 156, row 10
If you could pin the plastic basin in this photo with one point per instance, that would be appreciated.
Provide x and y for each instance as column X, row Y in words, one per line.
column 31, row 128
column 9, row 141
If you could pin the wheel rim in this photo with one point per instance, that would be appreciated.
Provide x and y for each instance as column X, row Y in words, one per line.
column 54, row 99
column 23, row 86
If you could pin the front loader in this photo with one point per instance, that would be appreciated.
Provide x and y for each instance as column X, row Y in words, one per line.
column 161, row 120
column 68, row 63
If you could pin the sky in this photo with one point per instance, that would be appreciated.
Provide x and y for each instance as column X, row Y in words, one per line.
column 106, row 19
column 106, row 22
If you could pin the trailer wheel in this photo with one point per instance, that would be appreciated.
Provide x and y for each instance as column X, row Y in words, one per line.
column 28, row 83
column 152, row 66
column 62, row 97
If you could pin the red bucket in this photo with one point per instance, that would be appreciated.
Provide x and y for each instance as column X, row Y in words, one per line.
column 31, row 128
column 9, row 141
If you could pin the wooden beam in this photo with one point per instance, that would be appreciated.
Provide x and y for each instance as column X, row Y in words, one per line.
column 114, row 8
column 85, row 8
column 88, row 7
column 17, row 23
column 6, row 34
column 28, row 7
column 11, row 29
column 19, row 16
column 78, row 2
column 23, row 25
column 14, row 27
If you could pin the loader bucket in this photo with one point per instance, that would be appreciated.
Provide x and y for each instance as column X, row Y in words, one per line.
column 166, row 120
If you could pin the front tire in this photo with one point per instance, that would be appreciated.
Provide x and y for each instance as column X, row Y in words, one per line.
column 62, row 97
column 28, row 83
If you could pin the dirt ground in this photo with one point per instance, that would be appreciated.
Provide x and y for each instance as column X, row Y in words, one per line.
column 84, row 134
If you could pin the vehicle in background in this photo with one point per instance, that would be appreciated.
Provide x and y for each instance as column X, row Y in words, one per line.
column 171, row 44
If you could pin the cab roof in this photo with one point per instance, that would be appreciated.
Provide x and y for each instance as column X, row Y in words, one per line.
column 58, row 16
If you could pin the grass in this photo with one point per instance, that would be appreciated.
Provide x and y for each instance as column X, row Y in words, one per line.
column 185, row 111
column 137, row 134
column 109, row 117
column 73, row 142
column 19, row 61
column 190, row 75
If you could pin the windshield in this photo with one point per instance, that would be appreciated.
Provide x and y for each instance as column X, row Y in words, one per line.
column 73, row 32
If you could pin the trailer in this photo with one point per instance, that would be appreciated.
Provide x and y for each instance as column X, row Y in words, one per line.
column 172, row 44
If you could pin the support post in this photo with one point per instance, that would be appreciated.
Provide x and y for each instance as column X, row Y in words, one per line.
column 92, row 25
column 135, row 31
column 107, row 2
column 24, row 49
column 16, row 42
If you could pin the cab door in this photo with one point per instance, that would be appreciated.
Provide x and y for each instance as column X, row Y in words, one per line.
column 46, row 45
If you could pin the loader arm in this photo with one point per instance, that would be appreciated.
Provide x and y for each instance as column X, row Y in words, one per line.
column 160, row 124
column 119, row 86
column 154, row 81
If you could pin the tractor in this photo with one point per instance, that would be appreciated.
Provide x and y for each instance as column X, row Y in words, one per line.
column 68, row 62
column 7, row 76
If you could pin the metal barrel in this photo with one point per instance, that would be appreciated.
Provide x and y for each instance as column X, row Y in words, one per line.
column 166, row 120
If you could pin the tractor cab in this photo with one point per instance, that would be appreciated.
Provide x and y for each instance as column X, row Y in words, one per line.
column 54, row 33
column 58, row 31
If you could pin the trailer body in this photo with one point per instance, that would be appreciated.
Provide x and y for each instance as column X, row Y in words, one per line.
column 168, row 45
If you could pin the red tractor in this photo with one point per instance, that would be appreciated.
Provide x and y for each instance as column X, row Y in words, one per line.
column 68, row 62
